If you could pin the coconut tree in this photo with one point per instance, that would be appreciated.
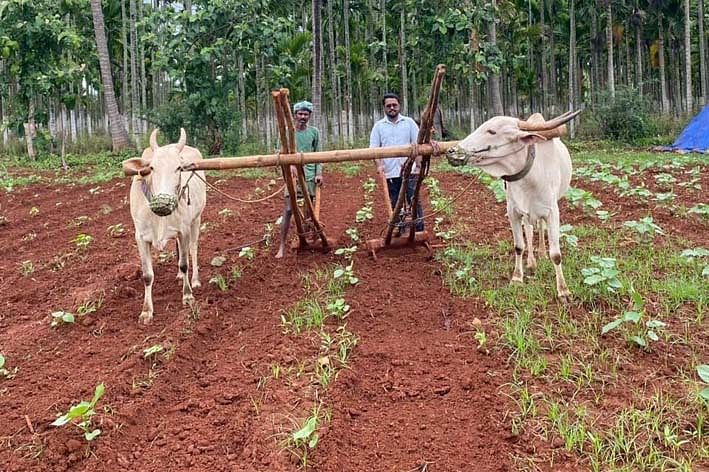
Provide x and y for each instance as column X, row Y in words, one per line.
column 702, row 53
column 494, row 81
column 317, row 61
column 687, row 58
column 606, row 4
column 119, row 135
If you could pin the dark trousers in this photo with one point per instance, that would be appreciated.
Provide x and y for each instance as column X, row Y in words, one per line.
column 394, row 185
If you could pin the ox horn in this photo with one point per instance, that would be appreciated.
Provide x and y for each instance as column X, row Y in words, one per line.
column 549, row 125
column 135, row 166
column 154, row 139
column 182, row 141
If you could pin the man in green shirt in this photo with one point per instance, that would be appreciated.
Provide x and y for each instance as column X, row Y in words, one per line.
column 307, row 139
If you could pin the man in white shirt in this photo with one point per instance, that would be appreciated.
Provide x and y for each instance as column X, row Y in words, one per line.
column 396, row 130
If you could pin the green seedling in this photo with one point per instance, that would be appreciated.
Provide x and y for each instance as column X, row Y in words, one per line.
column 26, row 268
column 346, row 252
column 481, row 337
column 217, row 261
column 646, row 227
column 347, row 273
column 665, row 180
column 338, row 308
column 4, row 371
column 89, row 306
column 82, row 241
column 226, row 213
column 153, row 351
column 62, row 318
column 603, row 215
column 583, row 198
column 248, row 253
column 369, row 185
column 353, row 234
column 78, row 221
column 31, row 236
column 565, row 234
column 220, row 282
column 603, row 274
column 267, row 234
column 80, row 415
column 305, row 438
column 702, row 371
column 116, row 230
column 701, row 209
column 665, row 197
column 365, row 213
column 696, row 253
column 165, row 257
column 641, row 192
column 345, row 342
column 634, row 316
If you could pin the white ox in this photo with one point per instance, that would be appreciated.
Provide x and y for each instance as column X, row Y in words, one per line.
column 537, row 169
column 166, row 203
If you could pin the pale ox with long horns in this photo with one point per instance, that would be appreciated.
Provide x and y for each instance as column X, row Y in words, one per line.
column 537, row 169
column 166, row 203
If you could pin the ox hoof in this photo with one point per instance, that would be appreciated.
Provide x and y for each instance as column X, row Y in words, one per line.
column 196, row 284
column 516, row 280
column 188, row 300
column 146, row 317
column 180, row 275
column 532, row 265
column 565, row 298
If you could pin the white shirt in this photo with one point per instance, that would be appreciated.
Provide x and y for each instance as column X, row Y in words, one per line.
column 386, row 133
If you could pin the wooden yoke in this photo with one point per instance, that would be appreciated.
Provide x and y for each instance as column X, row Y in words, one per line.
column 279, row 100
column 424, row 137
column 287, row 134
column 425, row 132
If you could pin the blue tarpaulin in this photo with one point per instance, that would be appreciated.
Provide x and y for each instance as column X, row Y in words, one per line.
column 695, row 137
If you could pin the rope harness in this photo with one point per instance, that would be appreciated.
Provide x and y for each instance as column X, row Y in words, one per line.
column 529, row 162
column 235, row 198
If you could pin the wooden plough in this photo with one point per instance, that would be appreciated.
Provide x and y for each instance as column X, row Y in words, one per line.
column 310, row 230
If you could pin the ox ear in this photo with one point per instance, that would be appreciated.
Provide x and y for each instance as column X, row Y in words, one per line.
column 154, row 139
column 182, row 141
column 136, row 166
column 528, row 137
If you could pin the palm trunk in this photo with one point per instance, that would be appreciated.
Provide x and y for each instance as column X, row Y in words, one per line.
column 572, row 63
column 384, row 45
column 348, row 75
column 402, row 62
column 639, row 59
column 30, row 128
column 143, row 79
column 496, row 99
column 317, row 64
column 334, row 80
column 609, row 44
column 702, row 51
column 663, row 72
column 242, row 95
column 545, row 77
column 134, row 93
column 687, row 59
column 125, row 104
column 119, row 136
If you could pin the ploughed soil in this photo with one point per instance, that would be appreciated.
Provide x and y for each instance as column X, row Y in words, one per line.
column 417, row 394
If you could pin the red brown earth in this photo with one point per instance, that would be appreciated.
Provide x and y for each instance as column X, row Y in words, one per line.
column 417, row 394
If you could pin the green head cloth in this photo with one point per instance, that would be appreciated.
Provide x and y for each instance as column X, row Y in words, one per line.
column 304, row 105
